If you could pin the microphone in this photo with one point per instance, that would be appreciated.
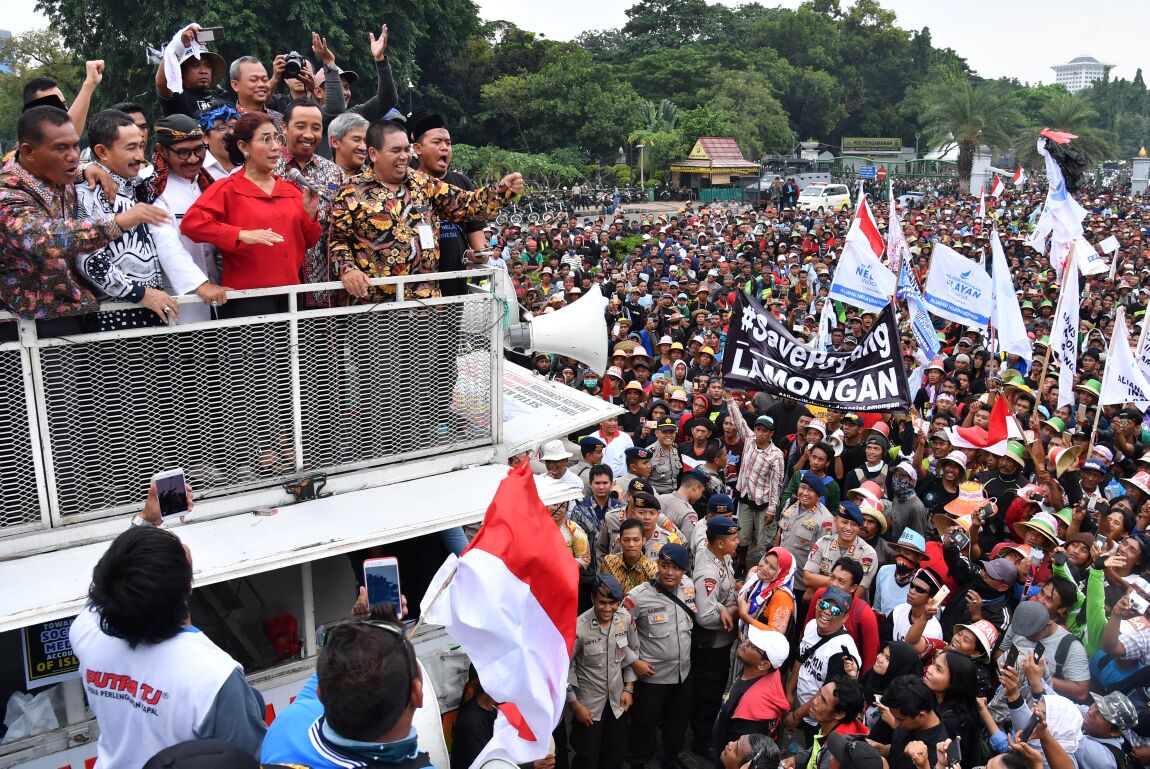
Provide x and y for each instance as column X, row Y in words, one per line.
column 294, row 175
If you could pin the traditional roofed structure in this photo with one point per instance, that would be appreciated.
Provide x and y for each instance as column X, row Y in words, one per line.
column 716, row 157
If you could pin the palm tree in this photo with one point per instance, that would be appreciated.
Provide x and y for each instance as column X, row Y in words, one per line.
column 1071, row 113
column 661, row 117
column 969, row 115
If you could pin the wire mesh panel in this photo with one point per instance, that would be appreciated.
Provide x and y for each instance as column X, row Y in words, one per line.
column 216, row 402
column 387, row 383
column 19, row 501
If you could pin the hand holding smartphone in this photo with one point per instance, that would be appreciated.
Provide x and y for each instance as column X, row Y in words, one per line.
column 381, row 576
column 172, row 492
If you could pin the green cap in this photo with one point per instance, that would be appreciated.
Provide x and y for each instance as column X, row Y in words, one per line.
column 1028, row 305
column 1056, row 424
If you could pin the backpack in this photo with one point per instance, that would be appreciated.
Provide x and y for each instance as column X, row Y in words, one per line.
column 1060, row 653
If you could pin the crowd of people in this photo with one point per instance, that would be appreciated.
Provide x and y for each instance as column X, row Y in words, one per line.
column 763, row 581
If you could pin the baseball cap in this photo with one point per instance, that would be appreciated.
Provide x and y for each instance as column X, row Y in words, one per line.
column 1029, row 618
column 720, row 503
column 1001, row 569
column 676, row 554
column 1115, row 707
column 773, row 644
column 838, row 597
column 722, row 525
column 853, row 752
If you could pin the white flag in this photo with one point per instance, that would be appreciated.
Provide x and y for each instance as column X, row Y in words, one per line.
column 827, row 321
column 1143, row 351
column 958, row 289
column 1123, row 382
column 1087, row 258
column 982, row 203
column 1007, row 316
column 861, row 279
column 1064, row 336
column 897, row 248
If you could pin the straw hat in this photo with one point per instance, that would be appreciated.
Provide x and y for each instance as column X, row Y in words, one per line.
column 1043, row 524
column 1064, row 459
column 971, row 498
column 1140, row 481
column 985, row 633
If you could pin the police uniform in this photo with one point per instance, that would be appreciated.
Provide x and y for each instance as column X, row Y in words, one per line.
column 608, row 539
column 826, row 551
column 661, row 536
column 714, row 579
column 600, row 668
column 681, row 513
column 666, row 464
column 635, row 453
column 663, row 699
column 799, row 529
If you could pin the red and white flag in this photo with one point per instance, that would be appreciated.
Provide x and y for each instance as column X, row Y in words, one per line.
column 512, row 607
column 997, row 188
column 1000, row 428
column 1019, row 177
column 864, row 225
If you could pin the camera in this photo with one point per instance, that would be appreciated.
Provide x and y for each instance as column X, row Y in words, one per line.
column 293, row 65
column 959, row 537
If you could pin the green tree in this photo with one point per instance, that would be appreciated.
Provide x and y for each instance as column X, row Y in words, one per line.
column 38, row 52
column 671, row 22
column 970, row 115
column 759, row 123
column 1069, row 112
column 703, row 121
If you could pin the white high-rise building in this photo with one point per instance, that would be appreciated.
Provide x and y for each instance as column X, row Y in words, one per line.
column 1079, row 72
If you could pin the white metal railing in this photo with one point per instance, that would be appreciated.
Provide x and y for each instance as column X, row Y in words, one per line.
column 242, row 403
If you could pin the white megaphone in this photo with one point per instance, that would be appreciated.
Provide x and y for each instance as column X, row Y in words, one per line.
column 577, row 331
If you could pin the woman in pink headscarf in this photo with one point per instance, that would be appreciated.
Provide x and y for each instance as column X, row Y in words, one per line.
column 767, row 601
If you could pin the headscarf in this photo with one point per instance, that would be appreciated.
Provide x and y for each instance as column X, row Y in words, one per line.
column 224, row 112
column 759, row 595
column 904, row 660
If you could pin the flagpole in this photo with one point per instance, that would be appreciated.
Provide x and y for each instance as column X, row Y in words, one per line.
column 1118, row 318
column 423, row 614
column 1057, row 312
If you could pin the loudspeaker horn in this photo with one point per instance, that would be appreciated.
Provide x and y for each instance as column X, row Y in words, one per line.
column 577, row 331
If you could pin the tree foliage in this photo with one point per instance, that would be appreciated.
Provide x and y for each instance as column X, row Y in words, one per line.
column 970, row 115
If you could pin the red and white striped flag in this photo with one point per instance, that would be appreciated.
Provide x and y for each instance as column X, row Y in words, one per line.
column 512, row 607
column 997, row 188
column 1019, row 177
column 1000, row 428
column 864, row 225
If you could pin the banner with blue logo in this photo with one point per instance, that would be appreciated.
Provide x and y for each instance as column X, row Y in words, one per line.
column 958, row 289
column 861, row 279
column 920, row 323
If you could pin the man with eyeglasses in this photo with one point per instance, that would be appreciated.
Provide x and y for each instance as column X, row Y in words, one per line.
column 822, row 649
column 179, row 180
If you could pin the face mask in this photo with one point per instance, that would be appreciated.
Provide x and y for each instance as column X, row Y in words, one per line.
column 590, row 384
column 903, row 488
column 903, row 571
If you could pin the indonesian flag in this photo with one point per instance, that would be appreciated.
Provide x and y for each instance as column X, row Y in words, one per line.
column 864, row 225
column 982, row 203
column 1001, row 428
column 997, row 188
column 1019, row 177
column 512, row 607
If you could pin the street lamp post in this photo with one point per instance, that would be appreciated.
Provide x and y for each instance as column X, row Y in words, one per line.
column 642, row 178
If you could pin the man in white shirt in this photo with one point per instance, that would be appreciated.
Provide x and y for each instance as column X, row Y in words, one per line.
column 151, row 678
column 179, row 180
column 824, row 639
column 617, row 443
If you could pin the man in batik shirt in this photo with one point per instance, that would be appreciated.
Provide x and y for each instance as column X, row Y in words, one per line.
column 386, row 222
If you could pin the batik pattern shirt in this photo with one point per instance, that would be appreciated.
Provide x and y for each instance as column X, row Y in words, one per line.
column 327, row 176
column 42, row 229
column 377, row 231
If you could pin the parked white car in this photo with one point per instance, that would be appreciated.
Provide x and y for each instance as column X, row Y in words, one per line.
column 824, row 197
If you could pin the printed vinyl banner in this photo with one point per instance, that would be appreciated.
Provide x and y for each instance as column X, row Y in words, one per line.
column 763, row 355
column 958, row 289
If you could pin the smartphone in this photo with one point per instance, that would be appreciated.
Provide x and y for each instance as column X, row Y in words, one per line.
column 1083, row 416
column 1138, row 603
column 210, row 34
column 942, row 594
column 1028, row 730
column 381, row 576
column 1011, row 658
column 651, row 424
column 954, row 752
column 172, row 492
column 960, row 538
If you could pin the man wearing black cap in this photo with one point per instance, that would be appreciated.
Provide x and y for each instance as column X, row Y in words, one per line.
column 717, row 602
column 431, row 144
column 591, row 453
column 638, row 461
column 679, row 505
column 602, row 681
column 666, row 464
column 664, row 614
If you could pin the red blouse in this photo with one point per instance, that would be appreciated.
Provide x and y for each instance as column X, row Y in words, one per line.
column 234, row 203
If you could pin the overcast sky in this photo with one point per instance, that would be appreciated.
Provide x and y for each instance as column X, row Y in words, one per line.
column 1015, row 38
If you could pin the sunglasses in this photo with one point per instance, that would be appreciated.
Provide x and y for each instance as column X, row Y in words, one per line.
column 324, row 634
column 834, row 609
column 916, row 587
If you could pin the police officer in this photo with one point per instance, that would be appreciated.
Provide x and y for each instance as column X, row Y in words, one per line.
column 657, row 530
column 608, row 539
column 803, row 523
column 720, row 505
column 666, row 464
column 716, row 599
column 591, row 449
column 638, row 465
column 844, row 541
column 679, row 505
column 664, row 611
column 601, row 680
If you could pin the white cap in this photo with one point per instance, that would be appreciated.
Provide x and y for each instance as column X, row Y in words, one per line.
column 771, row 643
